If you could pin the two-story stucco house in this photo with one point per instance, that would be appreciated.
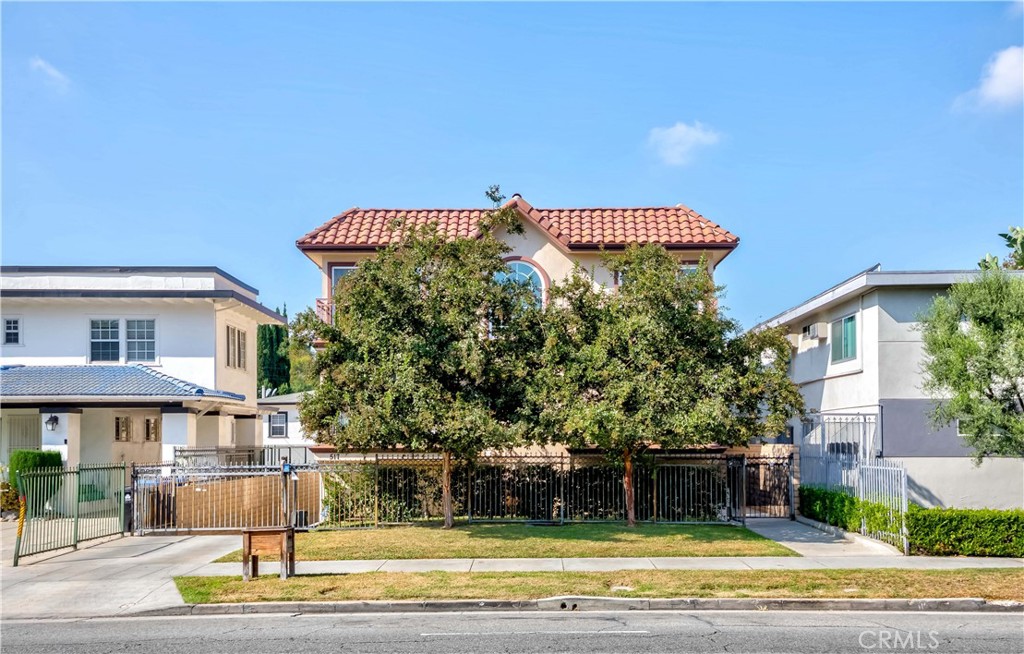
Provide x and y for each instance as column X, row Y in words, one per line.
column 124, row 364
column 554, row 239
column 553, row 242
column 858, row 360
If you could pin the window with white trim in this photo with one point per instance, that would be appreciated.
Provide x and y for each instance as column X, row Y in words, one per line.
column 339, row 271
column 279, row 425
column 236, row 346
column 12, row 331
column 123, row 429
column 523, row 273
column 140, row 340
column 844, row 339
column 105, row 340
column 152, row 430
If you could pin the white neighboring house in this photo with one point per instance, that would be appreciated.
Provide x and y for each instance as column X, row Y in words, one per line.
column 858, row 360
column 281, row 425
column 127, row 363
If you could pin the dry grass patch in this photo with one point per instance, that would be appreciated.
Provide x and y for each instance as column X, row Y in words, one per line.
column 517, row 541
column 988, row 583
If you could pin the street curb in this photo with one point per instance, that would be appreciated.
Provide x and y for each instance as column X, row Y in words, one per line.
column 848, row 535
column 583, row 603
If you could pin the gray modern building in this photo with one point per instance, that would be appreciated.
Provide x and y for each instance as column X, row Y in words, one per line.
column 858, row 360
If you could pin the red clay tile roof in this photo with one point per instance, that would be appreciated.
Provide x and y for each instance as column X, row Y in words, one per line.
column 572, row 229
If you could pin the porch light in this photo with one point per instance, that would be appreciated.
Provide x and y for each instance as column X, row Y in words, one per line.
column 51, row 423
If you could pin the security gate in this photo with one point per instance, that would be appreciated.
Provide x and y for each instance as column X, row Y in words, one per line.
column 768, row 487
column 179, row 499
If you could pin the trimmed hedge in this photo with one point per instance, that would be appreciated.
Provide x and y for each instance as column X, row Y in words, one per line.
column 966, row 532
column 831, row 507
column 935, row 532
column 25, row 460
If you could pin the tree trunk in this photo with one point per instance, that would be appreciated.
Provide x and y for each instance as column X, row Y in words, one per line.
column 446, row 491
column 627, row 483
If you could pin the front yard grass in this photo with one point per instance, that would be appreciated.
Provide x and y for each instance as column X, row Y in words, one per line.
column 519, row 541
column 988, row 583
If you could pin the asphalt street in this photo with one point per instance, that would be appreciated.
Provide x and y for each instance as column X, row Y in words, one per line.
column 590, row 633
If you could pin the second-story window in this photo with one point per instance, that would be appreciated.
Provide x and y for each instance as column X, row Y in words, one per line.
column 338, row 271
column 236, row 347
column 104, row 340
column 844, row 339
column 141, row 340
column 12, row 331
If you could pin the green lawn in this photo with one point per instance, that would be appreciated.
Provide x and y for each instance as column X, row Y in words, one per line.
column 988, row 583
column 518, row 541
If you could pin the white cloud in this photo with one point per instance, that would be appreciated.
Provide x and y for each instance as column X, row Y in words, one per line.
column 677, row 144
column 1001, row 85
column 53, row 77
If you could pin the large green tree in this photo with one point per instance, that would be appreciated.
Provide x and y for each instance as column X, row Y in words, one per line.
column 428, row 349
column 655, row 363
column 974, row 361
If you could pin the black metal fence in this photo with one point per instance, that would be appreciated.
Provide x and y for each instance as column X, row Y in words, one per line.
column 405, row 488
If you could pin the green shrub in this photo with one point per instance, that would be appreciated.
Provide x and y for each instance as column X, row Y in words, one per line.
column 24, row 460
column 966, row 532
column 831, row 507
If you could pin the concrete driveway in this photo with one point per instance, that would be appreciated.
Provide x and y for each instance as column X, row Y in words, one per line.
column 108, row 579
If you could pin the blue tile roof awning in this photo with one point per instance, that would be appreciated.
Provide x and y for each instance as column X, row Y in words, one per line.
column 100, row 381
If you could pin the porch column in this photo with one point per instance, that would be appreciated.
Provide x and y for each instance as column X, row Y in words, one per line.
column 66, row 436
column 178, row 429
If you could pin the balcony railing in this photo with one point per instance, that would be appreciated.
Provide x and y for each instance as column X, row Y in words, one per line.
column 325, row 309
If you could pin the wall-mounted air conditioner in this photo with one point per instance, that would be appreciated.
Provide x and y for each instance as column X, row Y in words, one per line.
column 815, row 330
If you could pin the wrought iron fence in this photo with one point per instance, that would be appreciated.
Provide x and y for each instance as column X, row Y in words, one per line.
column 268, row 455
column 61, row 507
column 879, row 485
column 405, row 488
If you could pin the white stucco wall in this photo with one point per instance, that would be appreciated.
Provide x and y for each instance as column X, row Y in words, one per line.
column 844, row 386
column 295, row 436
column 56, row 332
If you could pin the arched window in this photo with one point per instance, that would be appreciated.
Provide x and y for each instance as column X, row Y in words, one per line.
column 521, row 272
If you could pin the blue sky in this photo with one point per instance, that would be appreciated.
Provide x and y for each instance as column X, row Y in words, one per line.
column 829, row 137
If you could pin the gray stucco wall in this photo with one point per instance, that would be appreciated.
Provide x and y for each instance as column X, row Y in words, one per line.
column 956, row 482
column 907, row 431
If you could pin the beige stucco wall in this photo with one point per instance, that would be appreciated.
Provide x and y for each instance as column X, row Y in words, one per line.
column 236, row 380
column 534, row 245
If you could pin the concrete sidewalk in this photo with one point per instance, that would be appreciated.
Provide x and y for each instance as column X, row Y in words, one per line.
column 132, row 575
column 610, row 564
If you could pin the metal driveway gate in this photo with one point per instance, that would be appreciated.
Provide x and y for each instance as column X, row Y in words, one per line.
column 61, row 507
column 180, row 499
